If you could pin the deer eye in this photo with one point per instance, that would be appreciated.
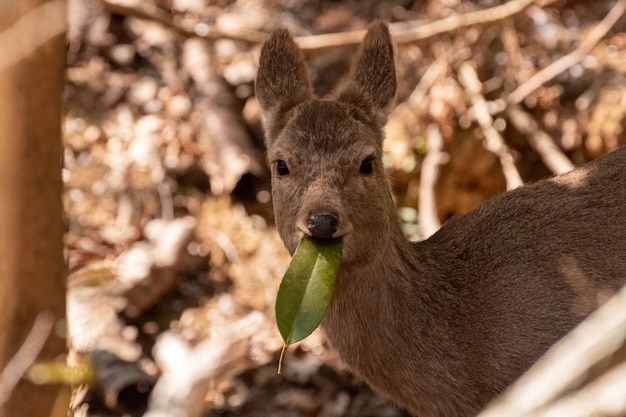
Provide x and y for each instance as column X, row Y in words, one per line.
column 281, row 168
column 367, row 166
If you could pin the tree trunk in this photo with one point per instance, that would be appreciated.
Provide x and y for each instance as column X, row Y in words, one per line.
column 32, row 269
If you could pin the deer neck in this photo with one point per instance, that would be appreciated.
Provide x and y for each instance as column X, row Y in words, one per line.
column 388, row 314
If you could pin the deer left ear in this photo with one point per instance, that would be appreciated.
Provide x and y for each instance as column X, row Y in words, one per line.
column 371, row 84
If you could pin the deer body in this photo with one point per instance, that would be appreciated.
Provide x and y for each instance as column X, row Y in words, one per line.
column 440, row 326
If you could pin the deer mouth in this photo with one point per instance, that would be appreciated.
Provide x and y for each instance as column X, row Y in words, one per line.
column 324, row 228
column 326, row 240
column 322, row 241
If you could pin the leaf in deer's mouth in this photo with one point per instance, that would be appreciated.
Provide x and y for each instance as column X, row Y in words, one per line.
column 307, row 288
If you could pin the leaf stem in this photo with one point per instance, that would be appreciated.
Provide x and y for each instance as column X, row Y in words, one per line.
column 280, row 359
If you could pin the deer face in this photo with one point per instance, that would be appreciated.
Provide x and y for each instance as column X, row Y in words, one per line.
column 325, row 155
column 327, row 176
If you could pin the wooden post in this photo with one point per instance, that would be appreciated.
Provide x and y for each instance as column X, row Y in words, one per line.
column 32, row 268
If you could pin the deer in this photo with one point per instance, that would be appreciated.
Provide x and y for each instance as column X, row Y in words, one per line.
column 443, row 325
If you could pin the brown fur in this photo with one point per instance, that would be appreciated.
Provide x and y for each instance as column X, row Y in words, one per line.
column 440, row 326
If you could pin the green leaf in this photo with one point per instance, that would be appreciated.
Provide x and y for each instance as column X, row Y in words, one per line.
column 307, row 287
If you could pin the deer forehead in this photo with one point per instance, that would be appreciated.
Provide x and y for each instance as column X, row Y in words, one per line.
column 324, row 130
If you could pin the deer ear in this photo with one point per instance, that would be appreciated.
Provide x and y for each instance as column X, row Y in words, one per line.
column 371, row 84
column 282, row 81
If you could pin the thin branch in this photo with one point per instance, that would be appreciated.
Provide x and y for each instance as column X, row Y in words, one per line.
column 457, row 21
column 222, row 240
column 330, row 40
column 407, row 108
column 541, row 142
column 605, row 396
column 426, row 81
column 493, row 140
column 26, row 355
column 427, row 207
column 403, row 32
column 571, row 59
column 145, row 10
column 417, row 30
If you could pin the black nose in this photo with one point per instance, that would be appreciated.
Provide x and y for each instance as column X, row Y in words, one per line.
column 322, row 225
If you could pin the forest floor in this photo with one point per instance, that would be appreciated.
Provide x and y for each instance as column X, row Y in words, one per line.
column 167, row 192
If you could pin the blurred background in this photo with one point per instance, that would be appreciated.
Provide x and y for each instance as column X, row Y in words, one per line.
column 173, row 257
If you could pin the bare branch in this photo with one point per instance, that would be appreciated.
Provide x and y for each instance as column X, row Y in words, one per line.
column 403, row 32
column 26, row 355
column 606, row 396
column 427, row 208
column 426, row 81
column 145, row 10
column 412, row 31
column 571, row 59
column 449, row 24
column 541, row 142
column 493, row 140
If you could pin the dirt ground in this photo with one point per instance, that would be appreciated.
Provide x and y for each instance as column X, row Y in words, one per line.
column 167, row 192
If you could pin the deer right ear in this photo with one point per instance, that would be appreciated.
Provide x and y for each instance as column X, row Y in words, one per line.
column 282, row 81
column 372, row 81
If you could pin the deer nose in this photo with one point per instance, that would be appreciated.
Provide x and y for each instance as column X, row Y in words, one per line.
column 322, row 225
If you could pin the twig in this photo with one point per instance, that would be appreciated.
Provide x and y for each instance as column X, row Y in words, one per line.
column 493, row 140
column 457, row 21
column 567, row 362
column 605, row 396
column 541, row 142
column 222, row 240
column 330, row 40
column 427, row 208
column 511, row 45
column 426, row 81
column 145, row 10
column 407, row 108
column 167, row 201
column 416, row 29
column 557, row 67
column 26, row 355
